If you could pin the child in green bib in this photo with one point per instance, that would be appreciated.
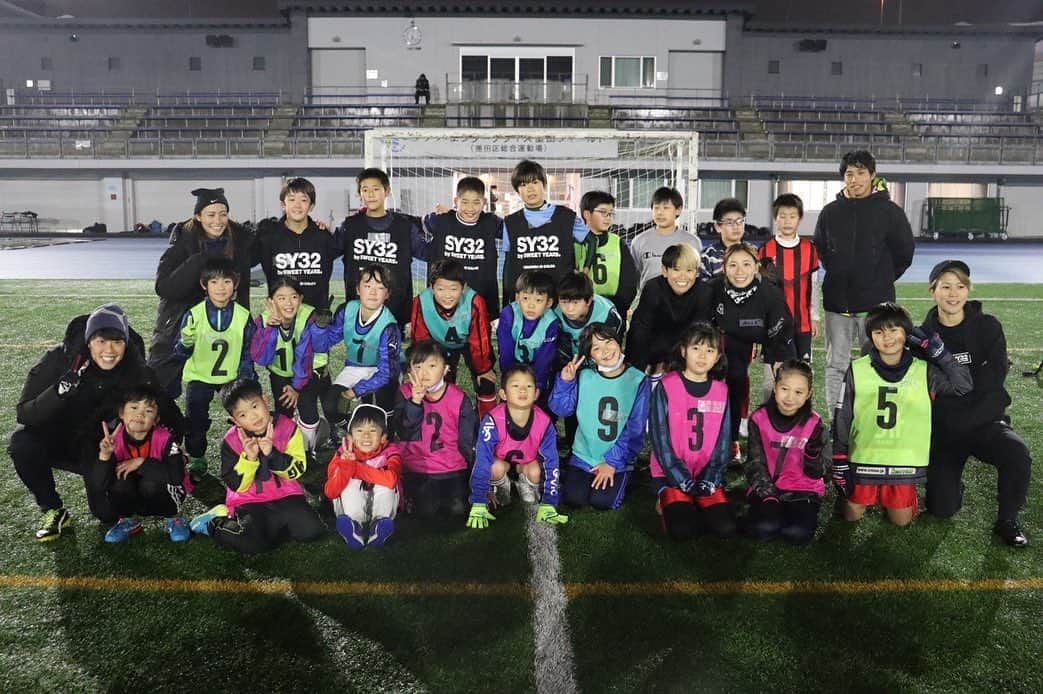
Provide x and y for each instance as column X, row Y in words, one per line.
column 882, row 422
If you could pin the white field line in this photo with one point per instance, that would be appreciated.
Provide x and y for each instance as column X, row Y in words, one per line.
column 555, row 670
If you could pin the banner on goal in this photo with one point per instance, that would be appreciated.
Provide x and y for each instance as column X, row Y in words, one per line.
column 426, row 163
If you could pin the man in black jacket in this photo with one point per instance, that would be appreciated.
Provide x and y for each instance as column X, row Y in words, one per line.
column 865, row 243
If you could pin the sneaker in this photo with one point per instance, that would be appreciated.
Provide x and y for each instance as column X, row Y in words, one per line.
column 383, row 529
column 501, row 494
column 52, row 524
column 353, row 532
column 527, row 491
column 736, row 460
column 197, row 468
column 178, row 529
column 200, row 525
column 1009, row 532
column 123, row 529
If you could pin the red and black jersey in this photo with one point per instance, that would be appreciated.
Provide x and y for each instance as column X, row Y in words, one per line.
column 794, row 268
column 480, row 353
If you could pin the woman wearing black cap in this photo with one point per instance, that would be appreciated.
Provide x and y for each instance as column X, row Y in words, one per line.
column 976, row 423
column 67, row 395
column 208, row 233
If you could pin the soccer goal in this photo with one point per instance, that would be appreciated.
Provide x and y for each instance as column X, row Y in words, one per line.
column 426, row 163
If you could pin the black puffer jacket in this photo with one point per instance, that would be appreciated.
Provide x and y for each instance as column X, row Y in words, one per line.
column 979, row 343
column 865, row 244
column 177, row 284
column 76, row 417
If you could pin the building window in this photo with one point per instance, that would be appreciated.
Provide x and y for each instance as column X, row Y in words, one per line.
column 917, row 69
column 634, row 72
column 983, row 70
column 713, row 189
column 114, row 63
column 195, row 64
column 773, row 67
column 46, row 64
column 836, row 68
column 259, row 63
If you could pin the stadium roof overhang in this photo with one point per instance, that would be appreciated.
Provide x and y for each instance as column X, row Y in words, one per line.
column 521, row 8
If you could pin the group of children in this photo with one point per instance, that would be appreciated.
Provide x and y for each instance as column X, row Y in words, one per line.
column 412, row 439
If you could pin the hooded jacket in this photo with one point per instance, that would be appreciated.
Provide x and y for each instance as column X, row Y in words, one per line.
column 979, row 343
column 865, row 245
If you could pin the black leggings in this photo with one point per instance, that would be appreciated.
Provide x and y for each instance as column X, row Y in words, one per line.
column 437, row 495
column 307, row 399
column 685, row 520
column 995, row 444
column 793, row 521
column 739, row 354
column 36, row 454
column 259, row 527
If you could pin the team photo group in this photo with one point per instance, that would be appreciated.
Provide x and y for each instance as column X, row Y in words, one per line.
column 594, row 363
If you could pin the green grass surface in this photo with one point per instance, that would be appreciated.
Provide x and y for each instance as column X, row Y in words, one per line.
column 370, row 635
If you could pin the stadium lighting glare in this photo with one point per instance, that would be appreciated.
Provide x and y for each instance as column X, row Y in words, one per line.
column 29, row 83
column 999, row 91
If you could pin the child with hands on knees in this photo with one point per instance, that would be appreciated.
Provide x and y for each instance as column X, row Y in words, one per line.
column 362, row 480
column 610, row 402
column 785, row 466
column 516, row 433
column 436, row 427
column 141, row 468
column 296, row 385
column 262, row 457
column 691, row 441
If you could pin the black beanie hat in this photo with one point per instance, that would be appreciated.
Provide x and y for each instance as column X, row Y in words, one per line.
column 208, row 196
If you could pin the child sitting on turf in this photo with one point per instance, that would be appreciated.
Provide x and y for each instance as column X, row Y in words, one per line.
column 612, row 272
column 362, row 480
column 668, row 304
column 578, row 306
column 141, row 467
column 687, row 423
column 371, row 338
column 784, row 466
column 528, row 328
column 436, row 427
column 611, row 404
column 454, row 315
column 468, row 234
column 296, row 386
column 215, row 338
column 261, row 460
column 882, row 423
column 517, row 433
column 540, row 236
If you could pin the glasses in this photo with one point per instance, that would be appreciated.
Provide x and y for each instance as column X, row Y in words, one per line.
column 731, row 222
column 607, row 214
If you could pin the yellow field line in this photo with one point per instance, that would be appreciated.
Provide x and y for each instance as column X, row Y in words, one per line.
column 462, row 589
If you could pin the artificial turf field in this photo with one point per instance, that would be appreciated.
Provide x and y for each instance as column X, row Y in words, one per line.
column 936, row 607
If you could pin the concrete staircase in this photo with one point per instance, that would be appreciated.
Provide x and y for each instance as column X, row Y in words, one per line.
column 276, row 138
column 432, row 116
column 116, row 143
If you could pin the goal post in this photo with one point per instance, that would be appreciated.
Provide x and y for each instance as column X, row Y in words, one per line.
column 425, row 164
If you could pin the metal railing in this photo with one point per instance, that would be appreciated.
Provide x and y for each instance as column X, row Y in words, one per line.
column 511, row 91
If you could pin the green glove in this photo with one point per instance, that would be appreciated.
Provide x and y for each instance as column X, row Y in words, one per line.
column 546, row 513
column 479, row 517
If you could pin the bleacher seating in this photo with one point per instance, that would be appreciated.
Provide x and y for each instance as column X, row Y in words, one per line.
column 326, row 120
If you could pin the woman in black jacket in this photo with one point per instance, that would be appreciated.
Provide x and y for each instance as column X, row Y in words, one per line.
column 208, row 233
column 749, row 312
column 67, row 395
column 976, row 423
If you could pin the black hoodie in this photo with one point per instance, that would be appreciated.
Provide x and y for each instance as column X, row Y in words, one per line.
column 978, row 342
column 865, row 244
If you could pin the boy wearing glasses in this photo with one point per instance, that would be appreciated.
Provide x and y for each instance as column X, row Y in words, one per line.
column 729, row 219
column 648, row 246
column 612, row 272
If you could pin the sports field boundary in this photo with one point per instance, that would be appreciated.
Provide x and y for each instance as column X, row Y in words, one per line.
column 515, row 589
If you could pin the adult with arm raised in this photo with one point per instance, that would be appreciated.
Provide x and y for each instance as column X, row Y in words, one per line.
column 208, row 233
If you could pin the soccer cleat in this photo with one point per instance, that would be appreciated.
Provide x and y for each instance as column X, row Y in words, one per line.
column 178, row 530
column 200, row 525
column 197, row 468
column 736, row 460
column 1011, row 533
column 527, row 491
column 383, row 529
column 52, row 524
column 500, row 493
column 353, row 532
column 122, row 531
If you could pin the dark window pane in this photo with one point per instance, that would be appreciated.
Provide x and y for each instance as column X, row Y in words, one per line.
column 605, row 79
column 773, row 67
column 195, row 64
column 530, row 69
column 559, row 68
column 474, row 68
column 502, row 68
column 259, row 63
